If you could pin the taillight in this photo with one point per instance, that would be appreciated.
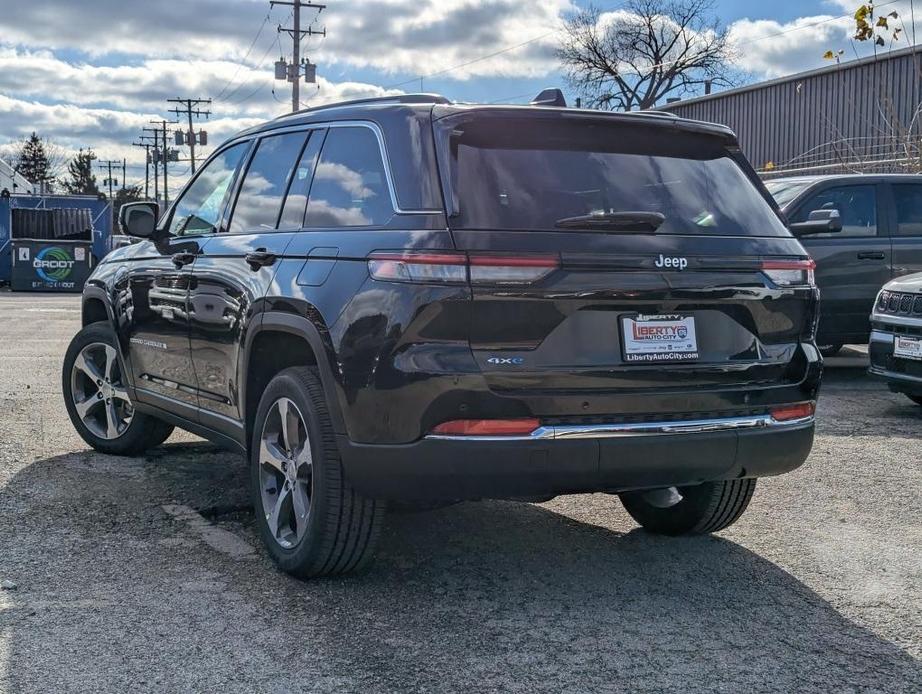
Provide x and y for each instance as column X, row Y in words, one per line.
column 498, row 269
column 436, row 268
column 787, row 413
column 455, row 268
column 790, row 273
column 487, row 427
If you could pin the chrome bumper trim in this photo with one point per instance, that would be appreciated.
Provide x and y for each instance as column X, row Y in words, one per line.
column 637, row 429
column 902, row 321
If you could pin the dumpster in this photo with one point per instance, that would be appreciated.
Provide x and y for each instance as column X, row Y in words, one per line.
column 52, row 242
column 50, row 266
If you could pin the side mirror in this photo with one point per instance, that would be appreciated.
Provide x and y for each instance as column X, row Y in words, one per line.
column 818, row 222
column 139, row 219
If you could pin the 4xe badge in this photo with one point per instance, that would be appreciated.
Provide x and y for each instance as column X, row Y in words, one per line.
column 506, row 361
column 676, row 262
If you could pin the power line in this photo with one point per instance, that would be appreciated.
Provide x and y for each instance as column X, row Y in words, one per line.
column 246, row 55
column 262, row 61
column 471, row 62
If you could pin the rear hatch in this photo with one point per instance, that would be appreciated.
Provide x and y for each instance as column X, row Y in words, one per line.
column 636, row 257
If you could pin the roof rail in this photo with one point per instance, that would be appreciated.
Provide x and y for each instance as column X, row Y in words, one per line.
column 395, row 99
column 654, row 112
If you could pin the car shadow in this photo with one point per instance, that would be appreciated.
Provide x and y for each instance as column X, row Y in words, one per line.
column 489, row 596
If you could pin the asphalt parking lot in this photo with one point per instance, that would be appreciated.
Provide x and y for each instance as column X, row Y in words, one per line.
column 144, row 574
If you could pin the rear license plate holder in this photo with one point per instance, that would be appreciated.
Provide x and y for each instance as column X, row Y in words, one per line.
column 658, row 338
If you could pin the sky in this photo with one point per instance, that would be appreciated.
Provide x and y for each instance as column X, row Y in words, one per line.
column 93, row 74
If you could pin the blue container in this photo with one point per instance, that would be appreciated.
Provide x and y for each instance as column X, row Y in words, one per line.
column 99, row 237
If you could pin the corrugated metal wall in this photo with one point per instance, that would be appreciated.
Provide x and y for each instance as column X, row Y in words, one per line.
column 860, row 114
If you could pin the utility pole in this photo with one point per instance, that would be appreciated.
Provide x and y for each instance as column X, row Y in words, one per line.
column 189, row 109
column 165, row 154
column 297, row 33
column 146, row 146
column 155, row 157
column 108, row 163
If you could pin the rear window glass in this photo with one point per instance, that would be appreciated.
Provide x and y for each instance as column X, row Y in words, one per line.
column 516, row 174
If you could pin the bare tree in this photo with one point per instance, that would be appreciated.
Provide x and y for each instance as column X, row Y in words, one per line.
column 649, row 50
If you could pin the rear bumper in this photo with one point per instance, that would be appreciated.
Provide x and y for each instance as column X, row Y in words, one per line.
column 573, row 459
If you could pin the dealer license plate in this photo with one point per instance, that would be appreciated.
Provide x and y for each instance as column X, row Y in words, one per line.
column 659, row 338
column 907, row 347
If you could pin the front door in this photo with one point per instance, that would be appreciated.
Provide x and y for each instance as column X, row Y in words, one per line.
column 154, row 300
column 151, row 307
column 238, row 264
column 851, row 265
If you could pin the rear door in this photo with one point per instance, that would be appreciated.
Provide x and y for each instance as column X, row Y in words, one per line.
column 906, row 228
column 851, row 265
column 568, row 306
column 237, row 265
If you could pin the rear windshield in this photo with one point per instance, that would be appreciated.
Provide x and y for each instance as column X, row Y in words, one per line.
column 528, row 174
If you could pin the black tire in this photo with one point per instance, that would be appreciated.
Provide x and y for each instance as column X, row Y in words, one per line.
column 915, row 398
column 342, row 526
column 143, row 431
column 831, row 349
column 705, row 508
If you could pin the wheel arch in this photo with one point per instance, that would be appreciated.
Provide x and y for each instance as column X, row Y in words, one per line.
column 95, row 306
column 287, row 340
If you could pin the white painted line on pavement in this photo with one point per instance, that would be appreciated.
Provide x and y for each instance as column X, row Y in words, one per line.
column 217, row 538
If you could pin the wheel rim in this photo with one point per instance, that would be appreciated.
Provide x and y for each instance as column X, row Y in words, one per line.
column 98, row 391
column 285, row 473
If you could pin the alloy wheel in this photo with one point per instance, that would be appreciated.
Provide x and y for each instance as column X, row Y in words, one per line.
column 98, row 391
column 285, row 473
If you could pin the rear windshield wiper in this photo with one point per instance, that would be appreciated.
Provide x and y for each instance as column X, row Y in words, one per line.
column 614, row 221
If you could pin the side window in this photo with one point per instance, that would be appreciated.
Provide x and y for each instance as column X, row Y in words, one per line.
column 199, row 208
column 856, row 204
column 908, row 200
column 350, row 185
column 265, row 182
column 296, row 200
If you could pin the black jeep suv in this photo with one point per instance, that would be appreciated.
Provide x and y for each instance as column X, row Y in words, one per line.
column 410, row 300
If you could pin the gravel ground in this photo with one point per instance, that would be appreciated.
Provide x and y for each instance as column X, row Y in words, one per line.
column 121, row 585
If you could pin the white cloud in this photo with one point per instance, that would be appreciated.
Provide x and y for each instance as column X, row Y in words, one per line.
column 387, row 35
column 767, row 48
column 106, row 107
column 426, row 36
column 130, row 59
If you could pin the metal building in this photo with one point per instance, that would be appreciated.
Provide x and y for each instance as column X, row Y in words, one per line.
column 860, row 116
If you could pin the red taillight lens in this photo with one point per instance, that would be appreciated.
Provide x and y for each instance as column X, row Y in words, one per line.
column 487, row 427
column 455, row 268
column 786, row 413
column 498, row 269
column 790, row 273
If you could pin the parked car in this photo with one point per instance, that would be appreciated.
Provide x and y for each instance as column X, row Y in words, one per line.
column 406, row 299
column 895, row 348
column 876, row 236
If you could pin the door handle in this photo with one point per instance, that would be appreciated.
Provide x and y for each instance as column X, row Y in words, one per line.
column 871, row 255
column 180, row 259
column 259, row 258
